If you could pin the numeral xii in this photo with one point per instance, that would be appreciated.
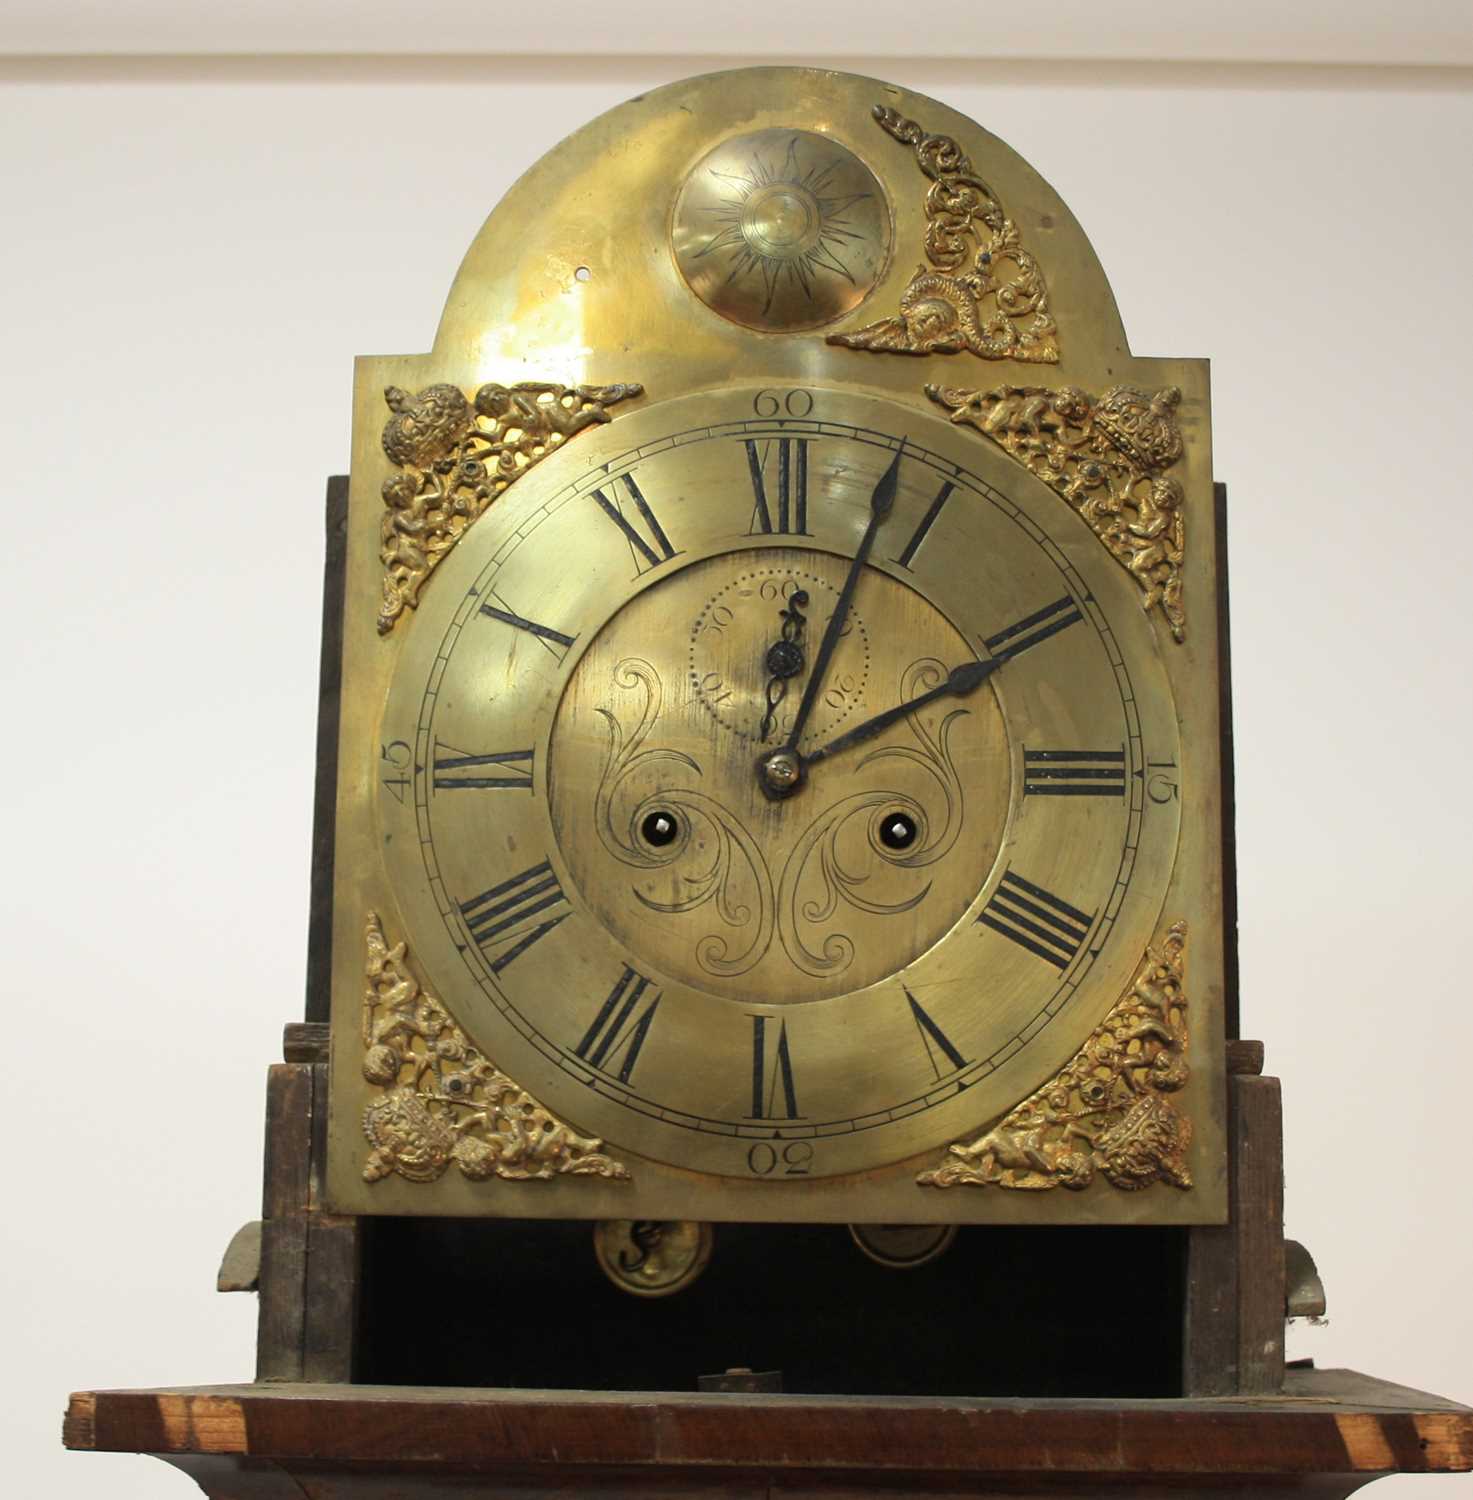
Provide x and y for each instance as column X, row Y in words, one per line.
column 786, row 512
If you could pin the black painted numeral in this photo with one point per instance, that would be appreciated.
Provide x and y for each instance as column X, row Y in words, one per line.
column 649, row 548
column 764, row 1087
column 927, row 522
column 496, row 917
column 934, row 1040
column 1032, row 629
column 790, row 517
column 1037, row 920
column 1073, row 773
column 617, row 1034
column 453, row 769
column 554, row 640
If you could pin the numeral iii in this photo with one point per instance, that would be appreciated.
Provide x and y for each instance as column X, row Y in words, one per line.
column 1073, row 773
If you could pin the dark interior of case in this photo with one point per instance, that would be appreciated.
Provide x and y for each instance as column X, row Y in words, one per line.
column 1014, row 1311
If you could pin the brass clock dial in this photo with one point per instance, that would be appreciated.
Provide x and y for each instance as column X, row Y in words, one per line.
column 601, row 888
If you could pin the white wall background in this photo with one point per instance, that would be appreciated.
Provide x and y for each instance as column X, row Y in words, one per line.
column 192, row 252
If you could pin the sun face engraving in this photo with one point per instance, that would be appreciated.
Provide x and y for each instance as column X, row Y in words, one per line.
column 781, row 230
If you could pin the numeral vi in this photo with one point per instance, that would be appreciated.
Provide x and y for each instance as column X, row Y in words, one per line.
column 768, row 1085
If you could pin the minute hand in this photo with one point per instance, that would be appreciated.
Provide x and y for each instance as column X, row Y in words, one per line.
column 960, row 681
column 880, row 505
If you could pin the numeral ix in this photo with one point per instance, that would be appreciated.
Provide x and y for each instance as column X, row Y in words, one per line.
column 452, row 769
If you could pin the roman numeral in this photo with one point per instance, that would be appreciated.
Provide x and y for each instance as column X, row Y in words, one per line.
column 1037, row 920
column 617, row 1034
column 792, row 487
column 554, row 640
column 647, row 553
column 1073, row 773
column 493, row 917
column 764, row 1092
column 927, row 522
column 1032, row 629
column 452, row 768
column 933, row 1039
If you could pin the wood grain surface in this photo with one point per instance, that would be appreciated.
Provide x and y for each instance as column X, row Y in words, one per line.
column 1332, row 1422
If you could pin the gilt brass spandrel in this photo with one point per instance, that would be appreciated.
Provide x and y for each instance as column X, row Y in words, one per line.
column 1108, row 456
column 455, row 456
column 439, row 1100
column 986, row 293
column 1110, row 1115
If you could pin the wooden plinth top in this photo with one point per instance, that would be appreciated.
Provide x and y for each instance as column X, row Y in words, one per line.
column 1329, row 1422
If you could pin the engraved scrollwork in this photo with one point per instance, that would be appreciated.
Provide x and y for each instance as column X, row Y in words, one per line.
column 994, row 305
column 712, row 858
column 455, row 456
column 1108, row 1112
column 442, row 1101
column 836, row 856
column 1107, row 456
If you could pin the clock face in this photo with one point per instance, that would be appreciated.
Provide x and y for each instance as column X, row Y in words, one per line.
column 704, row 965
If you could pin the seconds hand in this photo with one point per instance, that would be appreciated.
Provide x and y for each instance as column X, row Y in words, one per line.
column 879, row 507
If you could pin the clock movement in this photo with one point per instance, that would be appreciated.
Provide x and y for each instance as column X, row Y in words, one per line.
column 778, row 774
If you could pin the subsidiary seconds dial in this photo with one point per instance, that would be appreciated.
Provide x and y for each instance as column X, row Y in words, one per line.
column 682, row 954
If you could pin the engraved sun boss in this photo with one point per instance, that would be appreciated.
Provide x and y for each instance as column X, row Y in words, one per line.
column 717, row 745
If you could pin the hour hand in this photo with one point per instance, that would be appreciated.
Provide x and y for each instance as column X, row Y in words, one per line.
column 960, row 681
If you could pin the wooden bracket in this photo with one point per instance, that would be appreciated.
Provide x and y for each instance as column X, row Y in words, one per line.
column 1234, row 1304
column 309, row 1259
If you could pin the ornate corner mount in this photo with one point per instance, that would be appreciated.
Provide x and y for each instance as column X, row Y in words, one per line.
column 454, row 456
column 1108, row 1113
column 1107, row 456
column 986, row 294
column 441, row 1101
